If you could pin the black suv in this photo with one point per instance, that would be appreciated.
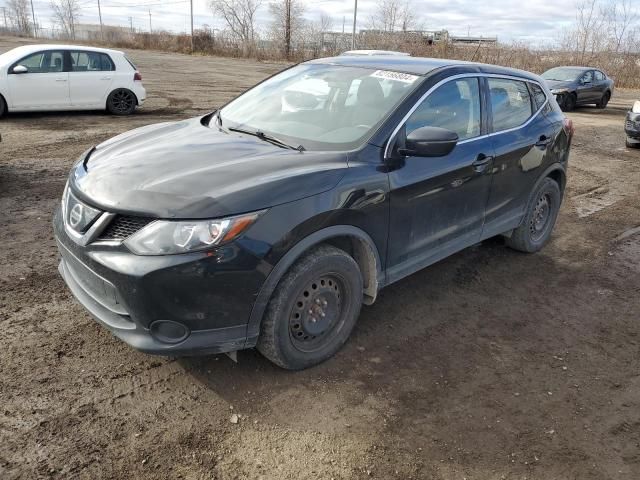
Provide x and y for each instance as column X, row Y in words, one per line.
column 269, row 222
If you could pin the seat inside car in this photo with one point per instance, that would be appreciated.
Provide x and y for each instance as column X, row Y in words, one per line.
column 370, row 98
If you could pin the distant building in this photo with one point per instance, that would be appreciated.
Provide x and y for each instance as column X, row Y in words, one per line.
column 89, row 31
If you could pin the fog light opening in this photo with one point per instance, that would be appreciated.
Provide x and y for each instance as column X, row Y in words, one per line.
column 167, row 331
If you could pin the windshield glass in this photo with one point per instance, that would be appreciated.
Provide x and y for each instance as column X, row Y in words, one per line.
column 320, row 107
column 562, row 74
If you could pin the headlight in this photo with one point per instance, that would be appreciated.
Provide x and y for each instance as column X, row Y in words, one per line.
column 168, row 237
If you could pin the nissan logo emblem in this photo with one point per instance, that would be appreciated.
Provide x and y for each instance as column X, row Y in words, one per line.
column 75, row 215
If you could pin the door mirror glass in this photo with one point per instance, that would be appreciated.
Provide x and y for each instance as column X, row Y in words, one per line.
column 429, row 142
column 20, row 69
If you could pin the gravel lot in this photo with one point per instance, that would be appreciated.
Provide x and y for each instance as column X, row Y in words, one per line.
column 489, row 365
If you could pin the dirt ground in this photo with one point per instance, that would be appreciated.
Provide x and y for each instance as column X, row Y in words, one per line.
column 489, row 365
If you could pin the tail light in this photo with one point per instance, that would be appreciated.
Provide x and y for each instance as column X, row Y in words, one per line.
column 568, row 127
column 137, row 77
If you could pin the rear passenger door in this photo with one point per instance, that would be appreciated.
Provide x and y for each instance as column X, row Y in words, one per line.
column 90, row 77
column 521, row 136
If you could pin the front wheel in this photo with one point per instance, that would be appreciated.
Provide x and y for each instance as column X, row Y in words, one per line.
column 121, row 102
column 535, row 230
column 3, row 107
column 631, row 144
column 569, row 102
column 313, row 309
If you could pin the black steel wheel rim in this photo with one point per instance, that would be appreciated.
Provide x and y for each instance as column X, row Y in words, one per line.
column 541, row 217
column 122, row 101
column 318, row 313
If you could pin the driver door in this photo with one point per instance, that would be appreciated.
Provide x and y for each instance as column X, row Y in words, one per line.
column 587, row 90
column 438, row 203
column 45, row 85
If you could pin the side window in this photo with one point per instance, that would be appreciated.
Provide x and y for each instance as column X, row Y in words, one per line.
column 44, row 62
column 454, row 106
column 510, row 103
column 539, row 96
column 90, row 62
column 588, row 77
column 599, row 76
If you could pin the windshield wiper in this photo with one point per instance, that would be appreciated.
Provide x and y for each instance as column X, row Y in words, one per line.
column 268, row 138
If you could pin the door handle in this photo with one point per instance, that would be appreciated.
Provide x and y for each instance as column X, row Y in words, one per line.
column 61, row 79
column 105, row 78
column 543, row 142
column 481, row 162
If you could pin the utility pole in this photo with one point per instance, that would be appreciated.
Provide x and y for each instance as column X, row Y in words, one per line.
column 4, row 13
column 355, row 16
column 287, row 29
column 344, row 19
column 100, row 16
column 131, row 24
column 33, row 16
column 150, row 30
column 191, row 26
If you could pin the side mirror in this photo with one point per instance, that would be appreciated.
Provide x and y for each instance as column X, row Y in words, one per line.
column 429, row 142
column 20, row 69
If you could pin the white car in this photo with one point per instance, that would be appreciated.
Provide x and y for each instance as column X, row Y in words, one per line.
column 68, row 77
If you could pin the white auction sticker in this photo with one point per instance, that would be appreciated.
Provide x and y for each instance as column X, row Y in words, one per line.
column 397, row 76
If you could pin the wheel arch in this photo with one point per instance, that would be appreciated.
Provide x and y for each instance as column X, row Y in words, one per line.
column 111, row 92
column 353, row 240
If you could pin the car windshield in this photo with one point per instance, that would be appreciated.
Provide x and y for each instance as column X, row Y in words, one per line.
column 319, row 107
column 562, row 74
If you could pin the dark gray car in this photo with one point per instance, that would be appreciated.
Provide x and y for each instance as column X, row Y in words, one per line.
column 574, row 86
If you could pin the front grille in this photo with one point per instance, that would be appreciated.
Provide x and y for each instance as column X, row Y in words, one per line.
column 631, row 125
column 122, row 227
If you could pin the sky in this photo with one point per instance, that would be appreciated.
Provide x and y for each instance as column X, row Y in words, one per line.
column 535, row 21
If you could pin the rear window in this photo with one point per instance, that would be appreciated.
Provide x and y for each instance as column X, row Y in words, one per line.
column 510, row 103
column 90, row 62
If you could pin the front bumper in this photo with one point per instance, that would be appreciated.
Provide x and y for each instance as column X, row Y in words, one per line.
column 196, row 303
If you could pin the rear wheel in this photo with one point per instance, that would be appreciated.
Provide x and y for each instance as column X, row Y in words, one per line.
column 541, row 215
column 313, row 309
column 121, row 102
column 604, row 101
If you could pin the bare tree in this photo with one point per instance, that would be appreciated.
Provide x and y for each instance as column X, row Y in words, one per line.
column 239, row 15
column 393, row 16
column 316, row 32
column 287, row 23
column 65, row 15
column 19, row 16
column 621, row 17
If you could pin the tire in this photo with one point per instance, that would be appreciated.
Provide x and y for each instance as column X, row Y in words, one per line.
column 542, row 211
column 313, row 309
column 569, row 103
column 630, row 144
column 604, row 101
column 3, row 107
column 121, row 102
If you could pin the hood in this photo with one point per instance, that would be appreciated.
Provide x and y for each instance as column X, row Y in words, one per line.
column 188, row 170
column 557, row 84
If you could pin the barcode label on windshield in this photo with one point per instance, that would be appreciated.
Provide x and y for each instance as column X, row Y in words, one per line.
column 397, row 76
